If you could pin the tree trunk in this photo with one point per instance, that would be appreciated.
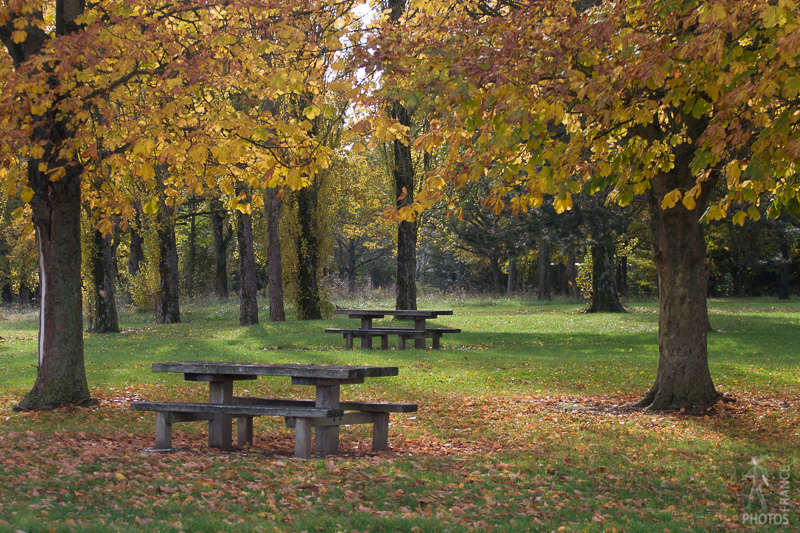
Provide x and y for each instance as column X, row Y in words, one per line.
column 783, row 287
column 403, row 177
column 221, row 240
column 137, row 244
column 512, row 276
column 274, row 257
column 307, row 281
column 248, row 294
column 190, row 261
column 61, row 374
column 105, row 315
column 497, row 274
column 168, row 311
column 571, row 271
column 605, row 298
column 56, row 207
column 351, row 266
column 622, row 274
column 683, row 379
column 544, row 269
column 7, row 294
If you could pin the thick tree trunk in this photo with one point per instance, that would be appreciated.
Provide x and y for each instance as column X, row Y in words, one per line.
column 308, row 283
column 105, row 315
column 544, row 292
column 683, row 379
column 221, row 240
column 137, row 244
column 168, row 310
column 783, row 287
column 61, row 374
column 605, row 298
column 274, row 257
column 248, row 294
column 56, row 206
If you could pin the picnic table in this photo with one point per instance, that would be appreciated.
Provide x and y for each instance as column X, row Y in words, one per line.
column 367, row 331
column 326, row 413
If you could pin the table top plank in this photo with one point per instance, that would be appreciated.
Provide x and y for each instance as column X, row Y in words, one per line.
column 400, row 313
column 225, row 368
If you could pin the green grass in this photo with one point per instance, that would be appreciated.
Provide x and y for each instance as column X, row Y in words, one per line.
column 517, row 429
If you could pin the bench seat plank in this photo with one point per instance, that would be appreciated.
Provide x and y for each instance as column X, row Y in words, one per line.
column 403, row 334
column 373, row 407
column 238, row 409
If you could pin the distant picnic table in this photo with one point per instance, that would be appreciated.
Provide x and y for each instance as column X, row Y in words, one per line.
column 326, row 413
column 367, row 331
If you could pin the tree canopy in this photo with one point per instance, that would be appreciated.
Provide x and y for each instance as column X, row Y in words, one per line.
column 656, row 98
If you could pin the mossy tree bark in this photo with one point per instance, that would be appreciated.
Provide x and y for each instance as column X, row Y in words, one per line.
column 136, row 255
column 605, row 297
column 105, row 316
column 308, row 299
column 404, row 181
column 248, row 295
column 56, row 206
column 222, row 237
column 683, row 379
column 168, row 310
column 543, row 263
column 277, row 313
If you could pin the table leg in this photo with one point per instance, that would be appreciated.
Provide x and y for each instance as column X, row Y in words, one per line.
column 380, row 432
column 302, row 438
column 327, row 436
column 220, row 428
column 366, row 340
column 244, row 431
column 419, row 325
column 163, row 431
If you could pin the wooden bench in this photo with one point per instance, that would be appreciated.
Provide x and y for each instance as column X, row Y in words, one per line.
column 435, row 334
column 302, row 416
column 403, row 335
column 375, row 413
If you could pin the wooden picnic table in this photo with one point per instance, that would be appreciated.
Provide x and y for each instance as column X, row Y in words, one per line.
column 325, row 413
column 419, row 332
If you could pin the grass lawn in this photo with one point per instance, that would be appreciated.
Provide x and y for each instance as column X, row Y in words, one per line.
column 519, row 429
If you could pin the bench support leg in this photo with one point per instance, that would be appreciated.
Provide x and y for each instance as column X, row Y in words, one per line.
column 401, row 342
column 348, row 341
column 163, row 431
column 327, row 436
column 366, row 342
column 302, row 438
column 244, row 433
column 380, row 432
column 435, row 341
column 384, row 342
column 220, row 427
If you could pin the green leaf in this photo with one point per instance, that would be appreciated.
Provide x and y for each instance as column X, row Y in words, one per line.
column 151, row 208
